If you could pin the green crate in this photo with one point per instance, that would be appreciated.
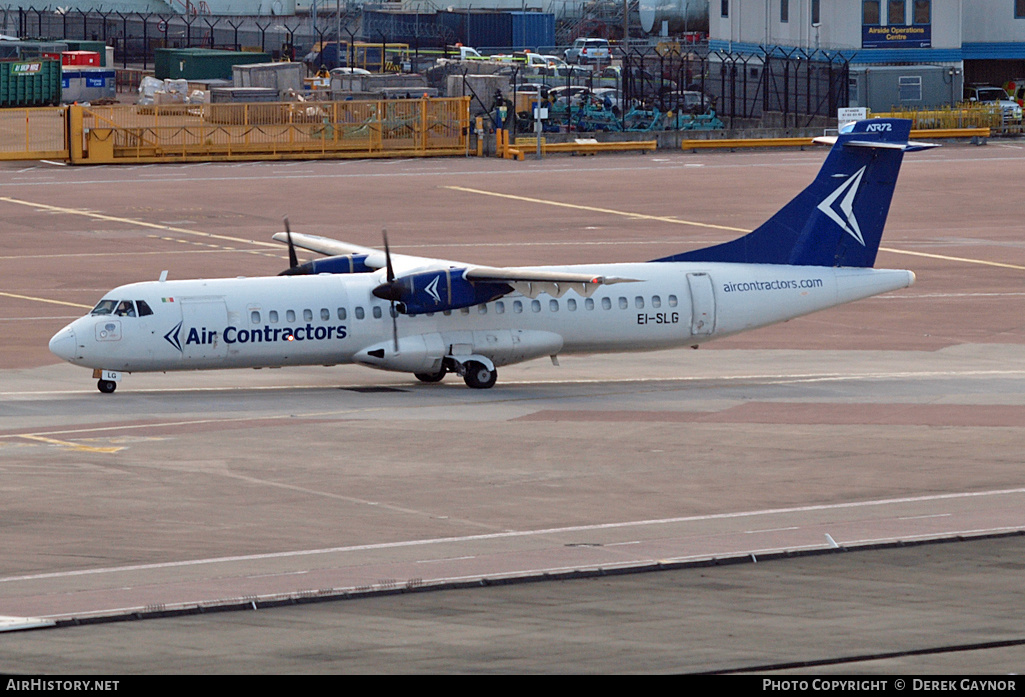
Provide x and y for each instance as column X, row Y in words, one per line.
column 35, row 82
column 201, row 63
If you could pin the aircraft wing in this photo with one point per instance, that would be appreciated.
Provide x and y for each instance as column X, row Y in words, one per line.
column 375, row 257
column 530, row 282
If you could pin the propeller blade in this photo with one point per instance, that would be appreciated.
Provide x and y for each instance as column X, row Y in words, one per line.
column 390, row 290
column 293, row 260
column 387, row 257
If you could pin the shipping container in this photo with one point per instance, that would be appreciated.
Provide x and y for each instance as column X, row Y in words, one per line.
column 81, row 58
column 489, row 29
column 418, row 29
column 283, row 77
column 85, row 84
column 97, row 46
column 30, row 83
column 532, row 30
column 500, row 30
column 201, row 63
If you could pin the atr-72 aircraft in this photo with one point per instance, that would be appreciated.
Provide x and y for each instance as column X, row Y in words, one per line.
column 431, row 317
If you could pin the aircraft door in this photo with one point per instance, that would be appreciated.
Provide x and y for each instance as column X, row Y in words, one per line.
column 203, row 322
column 702, row 299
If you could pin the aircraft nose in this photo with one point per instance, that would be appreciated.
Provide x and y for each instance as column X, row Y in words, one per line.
column 64, row 343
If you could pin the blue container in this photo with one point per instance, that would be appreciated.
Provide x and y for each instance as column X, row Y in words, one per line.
column 532, row 30
column 417, row 29
column 489, row 30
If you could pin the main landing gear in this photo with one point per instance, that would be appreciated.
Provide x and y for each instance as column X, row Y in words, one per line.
column 475, row 374
column 479, row 376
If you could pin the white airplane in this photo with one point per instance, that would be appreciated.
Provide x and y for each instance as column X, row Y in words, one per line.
column 431, row 317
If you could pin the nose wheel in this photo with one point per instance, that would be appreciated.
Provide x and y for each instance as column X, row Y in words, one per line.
column 106, row 386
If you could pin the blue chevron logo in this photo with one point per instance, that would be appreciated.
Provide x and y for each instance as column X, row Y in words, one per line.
column 172, row 337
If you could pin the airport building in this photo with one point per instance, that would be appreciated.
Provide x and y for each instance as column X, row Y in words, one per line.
column 901, row 53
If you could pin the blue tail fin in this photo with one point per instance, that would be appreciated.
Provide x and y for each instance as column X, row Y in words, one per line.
column 838, row 220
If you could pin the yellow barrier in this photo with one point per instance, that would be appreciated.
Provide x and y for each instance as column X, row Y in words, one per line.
column 33, row 134
column 304, row 130
column 746, row 143
column 802, row 142
column 585, row 147
column 965, row 116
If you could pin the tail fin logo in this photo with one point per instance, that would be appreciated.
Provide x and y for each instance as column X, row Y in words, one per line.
column 844, row 217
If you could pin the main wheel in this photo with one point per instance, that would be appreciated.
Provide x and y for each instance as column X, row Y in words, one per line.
column 106, row 386
column 431, row 377
column 479, row 376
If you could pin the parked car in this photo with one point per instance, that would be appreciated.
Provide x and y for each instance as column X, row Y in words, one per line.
column 1009, row 108
column 554, row 61
column 688, row 101
column 567, row 94
column 589, row 51
column 573, row 72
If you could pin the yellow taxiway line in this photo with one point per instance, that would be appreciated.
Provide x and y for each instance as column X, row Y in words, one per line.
column 43, row 300
column 132, row 221
column 73, row 446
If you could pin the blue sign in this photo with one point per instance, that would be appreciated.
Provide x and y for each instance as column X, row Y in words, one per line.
column 896, row 36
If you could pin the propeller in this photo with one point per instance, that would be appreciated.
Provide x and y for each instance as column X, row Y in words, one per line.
column 293, row 260
column 391, row 291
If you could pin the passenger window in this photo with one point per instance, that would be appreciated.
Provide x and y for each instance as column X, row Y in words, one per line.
column 500, row 307
column 342, row 314
column 359, row 312
column 289, row 316
column 308, row 315
column 517, row 306
column 623, row 304
column 606, row 303
column 656, row 301
column 639, row 302
column 377, row 312
column 254, row 317
column 464, row 310
column 553, row 305
column 482, row 309
column 144, row 308
column 571, row 304
column 273, row 316
column 589, row 304
column 672, row 301
column 325, row 314
column 535, row 305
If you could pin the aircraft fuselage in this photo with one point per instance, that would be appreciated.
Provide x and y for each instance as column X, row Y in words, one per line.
column 332, row 319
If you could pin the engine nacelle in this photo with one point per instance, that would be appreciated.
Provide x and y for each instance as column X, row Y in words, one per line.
column 347, row 263
column 437, row 291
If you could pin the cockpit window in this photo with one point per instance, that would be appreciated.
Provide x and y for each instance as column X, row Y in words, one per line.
column 125, row 308
column 104, row 307
column 144, row 308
